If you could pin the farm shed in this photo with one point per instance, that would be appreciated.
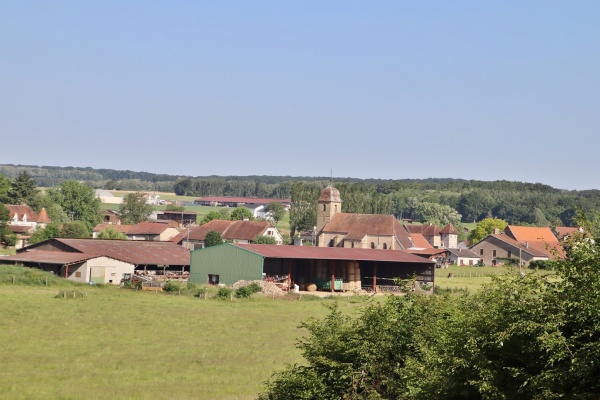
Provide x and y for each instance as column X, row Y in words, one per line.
column 328, row 267
column 100, row 261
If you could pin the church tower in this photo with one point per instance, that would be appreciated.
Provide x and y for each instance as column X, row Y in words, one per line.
column 328, row 205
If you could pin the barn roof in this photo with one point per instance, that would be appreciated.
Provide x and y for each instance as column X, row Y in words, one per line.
column 139, row 252
column 331, row 253
column 49, row 257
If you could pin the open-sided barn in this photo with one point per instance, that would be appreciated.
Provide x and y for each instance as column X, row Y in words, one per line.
column 328, row 267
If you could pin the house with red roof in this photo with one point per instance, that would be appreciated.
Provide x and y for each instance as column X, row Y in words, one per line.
column 155, row 231
column 243, row 232
column 24, row 221
column 524, row 243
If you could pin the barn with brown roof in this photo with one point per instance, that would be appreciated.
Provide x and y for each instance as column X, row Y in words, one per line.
column 330, row 268
column 100, row 261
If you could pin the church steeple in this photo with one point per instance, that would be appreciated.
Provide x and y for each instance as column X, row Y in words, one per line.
column 329, row 203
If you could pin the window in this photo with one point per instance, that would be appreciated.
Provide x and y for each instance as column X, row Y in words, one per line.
column 331, row 243
column 77, row 274
column 493, row 253
column 509, row 254
column 470, row 262
column 480, row 252
column 372, row 245
column 385, row 246
column 213, row 279
column 324, row 207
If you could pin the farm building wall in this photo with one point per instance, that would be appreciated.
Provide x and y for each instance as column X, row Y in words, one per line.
column 229, row 262
column 100, row 270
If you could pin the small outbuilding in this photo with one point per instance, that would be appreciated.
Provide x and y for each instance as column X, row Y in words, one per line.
column 329, row 268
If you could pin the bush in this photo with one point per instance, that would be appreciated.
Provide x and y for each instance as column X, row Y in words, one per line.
column 224, row 293
column 172, row 286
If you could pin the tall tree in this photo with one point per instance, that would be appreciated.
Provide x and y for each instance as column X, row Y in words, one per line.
column 484, row 228
column 241, row 213
column 221, row 214
column 78, row 201
column 74, row 229
column 24, row 190
column 276, row 211
column 134, row 208
column 5, row 188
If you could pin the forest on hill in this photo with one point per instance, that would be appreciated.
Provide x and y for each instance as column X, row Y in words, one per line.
column 433, row 200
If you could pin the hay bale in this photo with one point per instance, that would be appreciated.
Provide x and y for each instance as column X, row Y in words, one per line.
column 311, row 287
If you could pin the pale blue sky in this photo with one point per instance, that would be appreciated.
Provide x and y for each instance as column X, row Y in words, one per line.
column 373, row 89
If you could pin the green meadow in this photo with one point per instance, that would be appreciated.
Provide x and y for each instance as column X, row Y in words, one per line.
column 63, row 340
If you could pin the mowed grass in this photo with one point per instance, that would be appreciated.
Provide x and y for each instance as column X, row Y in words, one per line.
column 112, row 343
column 471, row 278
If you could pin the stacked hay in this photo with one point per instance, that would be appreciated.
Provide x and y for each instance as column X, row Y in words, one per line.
column 266, row 287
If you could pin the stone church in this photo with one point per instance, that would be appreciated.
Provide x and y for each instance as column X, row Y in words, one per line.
column 362, row 231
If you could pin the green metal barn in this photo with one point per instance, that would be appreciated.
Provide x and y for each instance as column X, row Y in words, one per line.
column 330, row 268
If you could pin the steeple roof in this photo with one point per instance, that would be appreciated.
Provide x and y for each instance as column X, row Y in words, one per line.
column 330, row 194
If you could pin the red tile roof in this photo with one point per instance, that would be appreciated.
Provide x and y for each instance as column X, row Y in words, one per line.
column 420, row 241
column 533, row 250
column 430, row 230
column 329, row 194
column 563, row 231
column 357, row 226
column 22, row 210
column 43, row 217
column 331, row 253
column 118, row 227
column 248, row 200
column 20, row 228
column 148, row 228
column 449, row 230
column 540, row 238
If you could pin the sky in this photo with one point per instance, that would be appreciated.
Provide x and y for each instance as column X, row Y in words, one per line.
column 484, row 90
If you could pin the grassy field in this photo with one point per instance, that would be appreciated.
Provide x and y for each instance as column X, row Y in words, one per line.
column 468, row 277
column 112, row 343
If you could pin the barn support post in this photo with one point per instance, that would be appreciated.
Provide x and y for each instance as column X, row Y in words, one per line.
column 332, row 268
column 375, row 277
column 66, row 271
column 289, row 279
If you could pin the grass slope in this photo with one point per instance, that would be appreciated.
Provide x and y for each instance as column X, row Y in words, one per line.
column 118, row 343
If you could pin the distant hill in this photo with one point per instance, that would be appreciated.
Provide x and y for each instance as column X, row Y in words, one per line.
column 516, row 202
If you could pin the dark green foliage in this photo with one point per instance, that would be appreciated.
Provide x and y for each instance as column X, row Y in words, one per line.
column 247, row 291
column 78, row 201
column 74, row 229
column 222, row 214
column 224, row 293
column 241, row 213
column 173, row 286
column 213, row 238
column 175, row 207
column 262, row 239
column 530, row 336
column 51, row 230
column 23, row 190
column 111, row 233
